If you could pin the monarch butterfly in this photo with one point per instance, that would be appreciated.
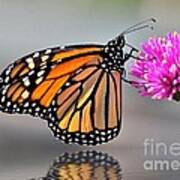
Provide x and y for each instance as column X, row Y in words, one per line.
column 77, row 89
column 84, row 165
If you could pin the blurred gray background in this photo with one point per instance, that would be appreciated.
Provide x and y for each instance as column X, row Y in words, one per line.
column 26, row 145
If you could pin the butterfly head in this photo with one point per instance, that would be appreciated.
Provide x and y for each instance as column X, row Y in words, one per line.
column 114, row 53
column 121, row 41
column 115, row 45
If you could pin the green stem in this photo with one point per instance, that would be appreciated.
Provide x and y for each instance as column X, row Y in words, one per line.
column 177, row 96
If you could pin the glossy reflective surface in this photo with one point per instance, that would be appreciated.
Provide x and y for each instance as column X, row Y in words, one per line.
column 84, row 165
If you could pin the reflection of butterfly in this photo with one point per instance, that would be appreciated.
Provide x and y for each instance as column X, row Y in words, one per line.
column 85, row 166
column 76, row 88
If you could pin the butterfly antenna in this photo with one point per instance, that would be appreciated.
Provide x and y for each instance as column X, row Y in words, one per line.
column 141, row 25
column 139, row 28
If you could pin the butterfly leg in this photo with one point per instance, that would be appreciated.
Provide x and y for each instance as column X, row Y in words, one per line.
column 129, row 55
column 135, row 57
column 138, row 58
column 132, row 47
column 126, row 80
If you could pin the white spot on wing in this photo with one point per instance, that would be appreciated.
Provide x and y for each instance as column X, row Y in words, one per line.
column 8, row 104
column 29, row 60
column 27, row 82
column 48, row 51
column 31, row 65
column 7, row 79
column 3, row 99
column 26, row 104
column 7, row 71
column 25, row 94
column 44, row 58
column 36, row 55
column 39, row 80
column 4, row 91
column 40, row 73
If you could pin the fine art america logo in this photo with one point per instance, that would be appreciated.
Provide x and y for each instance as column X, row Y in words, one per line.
column 160, row 156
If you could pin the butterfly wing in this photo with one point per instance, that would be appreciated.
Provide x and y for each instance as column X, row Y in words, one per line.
column 88, row 110
column 79, row 99
column 20, row 79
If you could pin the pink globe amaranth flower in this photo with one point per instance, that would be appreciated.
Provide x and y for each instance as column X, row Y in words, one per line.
column 157, row 73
